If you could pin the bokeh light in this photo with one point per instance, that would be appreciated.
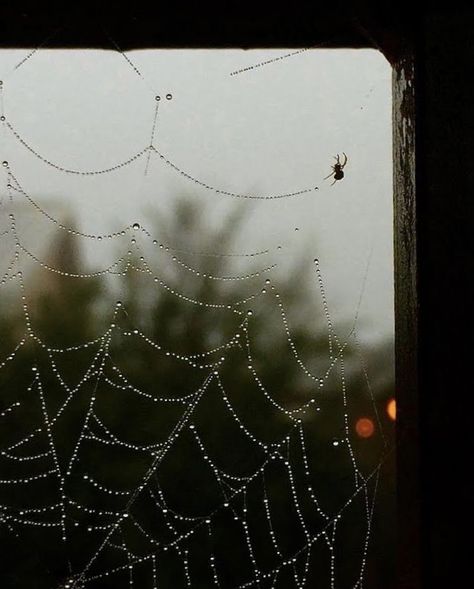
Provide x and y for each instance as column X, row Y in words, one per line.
column 364, row 427
column 392, row 409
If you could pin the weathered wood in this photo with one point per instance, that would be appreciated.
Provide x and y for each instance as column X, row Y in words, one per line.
column 406, row 323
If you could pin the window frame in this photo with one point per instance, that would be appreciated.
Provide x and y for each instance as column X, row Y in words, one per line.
column 260, row 29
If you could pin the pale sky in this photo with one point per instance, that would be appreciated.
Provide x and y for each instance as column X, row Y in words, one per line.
column 270, row 130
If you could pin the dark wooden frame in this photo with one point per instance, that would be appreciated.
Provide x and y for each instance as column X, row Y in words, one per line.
column 425, row 50
column 406, row 321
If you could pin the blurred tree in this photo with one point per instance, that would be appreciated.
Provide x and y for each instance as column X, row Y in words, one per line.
column 159, row 346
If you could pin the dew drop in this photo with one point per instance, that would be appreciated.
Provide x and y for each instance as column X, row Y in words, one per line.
column 5, row 163
column 335, row 443
column 2, row 118
column 136, row 226
column 297, row 228
column 169, row 96
column 157, row 98
column 250, row 312
column 119, row 304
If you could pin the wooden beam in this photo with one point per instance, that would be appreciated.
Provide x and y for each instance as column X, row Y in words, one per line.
column 406, row 323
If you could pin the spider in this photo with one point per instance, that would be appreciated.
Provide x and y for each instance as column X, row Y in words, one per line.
column 337, row 168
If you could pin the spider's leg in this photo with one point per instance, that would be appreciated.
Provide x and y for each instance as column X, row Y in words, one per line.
column 345, row 160
column 334, row 183
column 329, row 175
column 337, row 160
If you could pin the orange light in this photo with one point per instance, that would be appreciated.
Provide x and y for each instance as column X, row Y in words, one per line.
column 392, row 409
column 364, row 427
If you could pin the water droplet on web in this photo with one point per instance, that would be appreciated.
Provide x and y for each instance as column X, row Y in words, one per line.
column 335, row 443
column 136, row 226
column 5, row 163
column 169, row 97
column 118, row 304
column 157, row 98
column 2, row 118
column 297, row 228
column 250, row 312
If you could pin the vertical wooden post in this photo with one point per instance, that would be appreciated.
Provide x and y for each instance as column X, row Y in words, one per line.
column 406, row 324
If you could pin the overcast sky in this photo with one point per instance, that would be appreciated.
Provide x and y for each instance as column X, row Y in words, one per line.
column 269, row 130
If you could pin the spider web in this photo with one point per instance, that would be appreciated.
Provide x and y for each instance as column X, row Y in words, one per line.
column 178, row 405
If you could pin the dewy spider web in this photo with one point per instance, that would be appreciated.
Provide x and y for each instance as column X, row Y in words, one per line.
column 178, row 409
